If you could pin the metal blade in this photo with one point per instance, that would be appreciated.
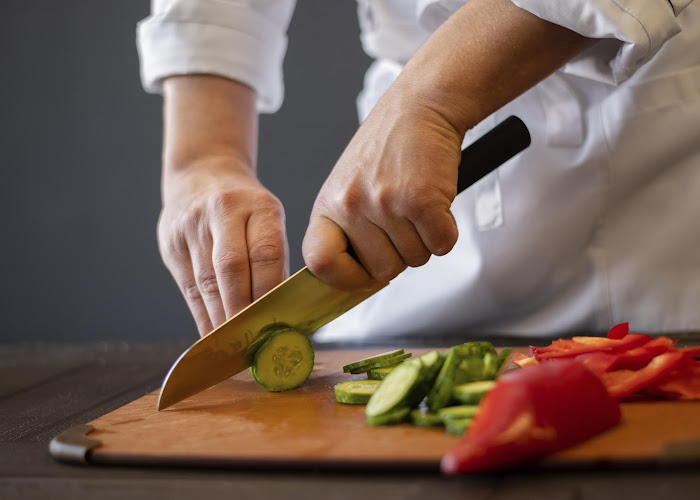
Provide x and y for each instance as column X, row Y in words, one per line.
column 302, row 301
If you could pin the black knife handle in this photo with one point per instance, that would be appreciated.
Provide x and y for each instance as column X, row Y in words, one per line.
column 492, row 150
column 486, row 154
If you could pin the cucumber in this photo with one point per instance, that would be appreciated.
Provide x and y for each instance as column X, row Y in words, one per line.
column 474, row 349
column 393, row 417
column 469, row 370
column 263, row 335
column 380, row 373
column 490, row 370
column 458, row 426
column 440, row 394
column 284, row 361
column 457, row 412
column 382, row 363
column 355, row 392
column 402, row 388
column 472, row 392
column 432, row 361
column 372, row 359
column 423, row 418
column 503, row 358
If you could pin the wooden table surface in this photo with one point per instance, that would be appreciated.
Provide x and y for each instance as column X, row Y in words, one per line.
column 45, row 389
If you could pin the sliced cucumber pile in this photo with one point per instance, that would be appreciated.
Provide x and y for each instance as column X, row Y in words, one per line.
column 283, row 359
column 431, row 390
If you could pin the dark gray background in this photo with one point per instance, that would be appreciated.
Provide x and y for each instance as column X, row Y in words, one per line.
column 80, row 144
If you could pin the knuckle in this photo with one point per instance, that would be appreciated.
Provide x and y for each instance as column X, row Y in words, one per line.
column 416, row 204
column 222, row 203
column 266, row 253
column 230, row 262
column 207, row 284
column 387, row 198
column 350, row 201
column 191, row 292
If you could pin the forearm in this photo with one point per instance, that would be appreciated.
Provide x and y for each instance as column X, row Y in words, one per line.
column 205, row 117
column 484, row 56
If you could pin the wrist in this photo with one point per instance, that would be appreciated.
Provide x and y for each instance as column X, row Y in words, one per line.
column 208, row 120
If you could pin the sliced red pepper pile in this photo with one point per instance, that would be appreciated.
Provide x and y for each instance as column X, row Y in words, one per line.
column 532, row 413
column 628, row 363
column 568, row 393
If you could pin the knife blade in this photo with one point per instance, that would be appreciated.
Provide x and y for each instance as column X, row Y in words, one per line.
column 303, row 301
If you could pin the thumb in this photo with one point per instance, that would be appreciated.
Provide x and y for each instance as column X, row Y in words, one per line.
column 325, row 251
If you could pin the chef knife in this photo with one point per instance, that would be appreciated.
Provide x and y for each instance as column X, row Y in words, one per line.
column 303, row 301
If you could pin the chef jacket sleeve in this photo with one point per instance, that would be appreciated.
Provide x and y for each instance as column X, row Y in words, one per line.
column 244, row 40
column 635, row 29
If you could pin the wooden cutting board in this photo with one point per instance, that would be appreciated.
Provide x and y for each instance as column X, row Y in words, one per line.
column 239, row 424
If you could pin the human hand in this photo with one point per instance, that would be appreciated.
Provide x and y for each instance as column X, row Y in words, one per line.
column 388, row 196
column 222, row 236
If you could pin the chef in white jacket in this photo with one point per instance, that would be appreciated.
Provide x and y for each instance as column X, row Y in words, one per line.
column 598, row 222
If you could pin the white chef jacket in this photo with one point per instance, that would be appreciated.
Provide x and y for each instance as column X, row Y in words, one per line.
column 598, row 222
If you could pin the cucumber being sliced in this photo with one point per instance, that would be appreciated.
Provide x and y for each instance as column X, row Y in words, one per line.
column 355, row 392
column 380, row 373
column 472, row 392
column 403, row 387
column 382, row 363
column 372, row 359
column 393, row 417
column 284, row 361
column 457, row 412
column 458, row 426
column 423, row 418
column 263, row 335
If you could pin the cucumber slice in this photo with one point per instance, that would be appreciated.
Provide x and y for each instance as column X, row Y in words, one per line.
column 284, row 361
column 503, row 358
column 382, row 363
column 393, row 417
column 432, row 361
column 380, row 373
column 458, row 426
column 457, row 412
column 372, row 359
column 490, row 369
column 403, row 387
column 472, row 392
column 355, row 392
column 263, row 335
column 470, row 370
column 440, row 394
column 475, row 349
column 423, row 418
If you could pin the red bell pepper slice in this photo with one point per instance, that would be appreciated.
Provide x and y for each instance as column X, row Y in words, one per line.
column 532, row 413
column 659, row 345
column 619, row 331
column 690, row 351
column 597, row 362
column 522, row 360
column 621, row 383
column 681, row 383
column 581, row 345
